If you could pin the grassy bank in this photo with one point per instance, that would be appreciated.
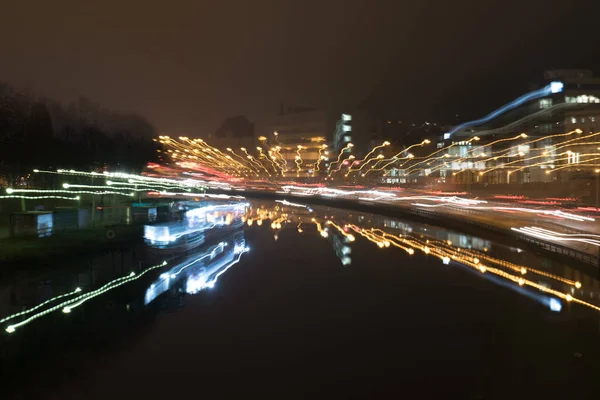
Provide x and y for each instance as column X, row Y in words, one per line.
column 69, row 243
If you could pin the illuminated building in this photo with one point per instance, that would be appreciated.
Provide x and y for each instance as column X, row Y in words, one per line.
column 563, row 101
column 295, row 139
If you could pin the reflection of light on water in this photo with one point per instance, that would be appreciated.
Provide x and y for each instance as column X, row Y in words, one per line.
column 551, row 302
column 196, row 283
column 201, row 271
column 68, row 305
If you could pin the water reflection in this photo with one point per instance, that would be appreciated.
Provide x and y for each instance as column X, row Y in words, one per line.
column 522, row 272
column 190, row 254
column 201, row 270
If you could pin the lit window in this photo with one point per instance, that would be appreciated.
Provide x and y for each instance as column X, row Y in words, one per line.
column 347, row 139
column 545, row 103
column 346, row 117
column 582, row 120
column 446, row 136
column 593, row 119
column 440, row 145
column 346, row 128
column 523, row 149
column 573, row 158
column 573, row 120
column 584, row 98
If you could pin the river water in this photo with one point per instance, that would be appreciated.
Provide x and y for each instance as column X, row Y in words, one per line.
column 286, row 299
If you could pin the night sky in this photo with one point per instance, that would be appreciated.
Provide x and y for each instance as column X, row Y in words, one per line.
column 186, row 65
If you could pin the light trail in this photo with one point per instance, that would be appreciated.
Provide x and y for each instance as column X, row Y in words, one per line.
column 249, row 166
column 322, row 232
column 379, row 157
column 263, row 155
column 546, row 234
column 298, row 159
column 444, row 149
column 11, row 191
column 41, row 197
column 347, row 235
column 320, row 157
column 384, row 144
column 29, row 311
column 553, row 87
column 340, row 165
column 254, row 161
column 396, row 157
column 342, row 151
column 88, row 296
column 67, row 305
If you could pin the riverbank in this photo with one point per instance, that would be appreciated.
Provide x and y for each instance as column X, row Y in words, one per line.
column 73, row 242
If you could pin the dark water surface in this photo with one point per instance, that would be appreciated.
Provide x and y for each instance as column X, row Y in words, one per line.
column 308, row 314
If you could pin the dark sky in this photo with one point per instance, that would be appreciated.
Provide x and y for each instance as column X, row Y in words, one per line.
column 186, row 65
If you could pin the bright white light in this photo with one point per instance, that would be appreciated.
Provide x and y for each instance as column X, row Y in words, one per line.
column 555, row 305
column 556, row 87
column 446, row 136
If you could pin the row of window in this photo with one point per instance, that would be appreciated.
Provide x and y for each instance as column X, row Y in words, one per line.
column 584, row 98
column 582, row 119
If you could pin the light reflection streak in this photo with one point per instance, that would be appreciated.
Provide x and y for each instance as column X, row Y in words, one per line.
column 68, row 305
column 492, row 266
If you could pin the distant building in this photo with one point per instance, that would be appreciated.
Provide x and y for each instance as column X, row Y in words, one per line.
column 541, row 112
column 234, row 132
column 560, row 103
column 361, row 129
column 298, row 138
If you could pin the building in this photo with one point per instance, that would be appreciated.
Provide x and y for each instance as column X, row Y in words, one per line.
column 531, row 139
column 296, row 140
column 234, row 132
